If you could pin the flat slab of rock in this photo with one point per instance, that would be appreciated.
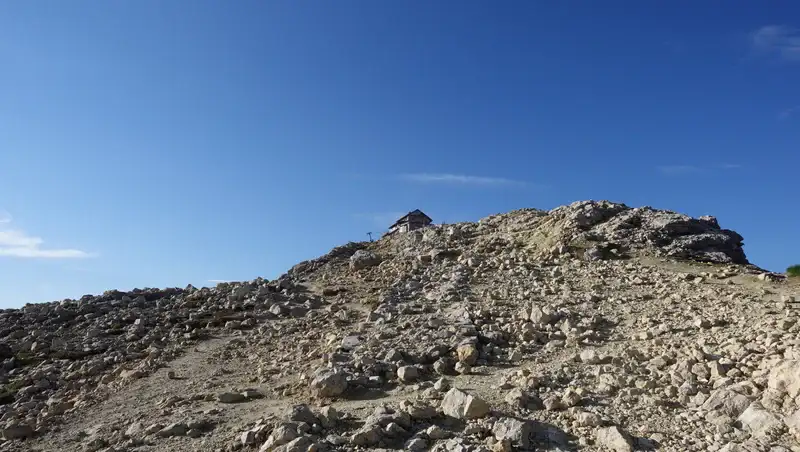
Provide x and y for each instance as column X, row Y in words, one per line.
column 727, row 402
column 231, row 397
column 176, row 429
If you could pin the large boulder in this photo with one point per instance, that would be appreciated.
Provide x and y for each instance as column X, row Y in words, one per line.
column 727, row 402
column 17, row 430
column 364, row 259
column 785, row 377
column 614, row 438
column 760, row 422
column 282, row 434
column 793, row 423
column 517, row 432
column 460, row 405
column 328, row 383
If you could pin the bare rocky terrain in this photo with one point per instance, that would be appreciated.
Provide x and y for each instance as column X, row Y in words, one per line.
column 593, row 326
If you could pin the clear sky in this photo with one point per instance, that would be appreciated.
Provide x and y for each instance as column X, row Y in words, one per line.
column 153, row 143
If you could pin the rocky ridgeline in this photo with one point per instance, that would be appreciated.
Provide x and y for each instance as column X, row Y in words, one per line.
column 582, row 328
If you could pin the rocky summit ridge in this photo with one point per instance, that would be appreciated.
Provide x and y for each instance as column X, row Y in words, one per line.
column 592, row 326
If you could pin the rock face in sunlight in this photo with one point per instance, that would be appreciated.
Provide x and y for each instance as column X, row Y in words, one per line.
column 593, row 326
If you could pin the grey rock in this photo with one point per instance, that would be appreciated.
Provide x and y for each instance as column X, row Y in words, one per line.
column 540, row 316
column 248, row 438
column 760, row 422
column 394, row 429
column 134, row 429
column 727, row 402
column 280, row 435
column 588, row 419
column 17, row 431
column 362, row 259
column 517, row 432
column 300, row 444
column 460, row 405
column 231, row 397
column 329, row 384
column 442, row 384
column 516, row 397
column 369, row 435
column 785, row 377
column 302, row 413
column 614, row 438
column 328, row 416
column 175, row 429
column 417, row 445
column 407, row 374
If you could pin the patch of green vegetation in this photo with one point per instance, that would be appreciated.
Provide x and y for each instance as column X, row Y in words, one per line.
column 26, row 359
column 9, row 391
column 794, row 270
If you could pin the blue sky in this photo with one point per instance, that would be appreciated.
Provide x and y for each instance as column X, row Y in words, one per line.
column 157, row 143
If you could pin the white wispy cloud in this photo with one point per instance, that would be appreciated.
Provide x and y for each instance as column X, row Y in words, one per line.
column 730, row 166
column 17, row 243
column 459, row 179
column 688, row 170
column 679, row 170
column 785, row 114
column 777, row 40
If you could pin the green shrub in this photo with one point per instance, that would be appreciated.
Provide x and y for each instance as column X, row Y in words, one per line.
column 794, row 270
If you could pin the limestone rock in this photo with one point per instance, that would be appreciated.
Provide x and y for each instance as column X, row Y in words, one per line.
column 793, row 424
column 517, row 432
column 362, row 259
column 302, row 413
column 175, row 429
column 329, row 384
column 785, row 376
column 328, row 416
column 416, row 445
column 407, row 374
column 17, row 431
column 231, row 397
column 760, row 422
column 281, row 435
column 300, row 444
column 613, row 438
column 517, row 398
column 540, row 316
column 460, row 405
column 368, row 435
column 726, row 401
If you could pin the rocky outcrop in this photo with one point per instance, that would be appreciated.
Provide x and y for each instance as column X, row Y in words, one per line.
column 667, row 233
column 530, row 330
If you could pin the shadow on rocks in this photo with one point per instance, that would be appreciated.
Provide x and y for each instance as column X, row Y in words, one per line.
column 362, row 393
column 530, row 434
column 645, row 444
